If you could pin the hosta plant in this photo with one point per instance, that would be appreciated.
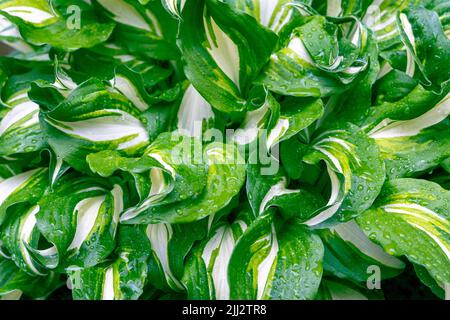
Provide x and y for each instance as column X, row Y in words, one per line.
column 224, row 149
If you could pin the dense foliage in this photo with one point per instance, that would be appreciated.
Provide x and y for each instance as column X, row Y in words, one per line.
column 224, row 149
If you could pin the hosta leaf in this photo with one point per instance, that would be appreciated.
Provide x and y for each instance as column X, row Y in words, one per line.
column 142, row 29
column 412, row 39
column 265, row 192
column 224, row 54
column 80, row 228
column 271, row 14
column 38, row 13
column 427, row 46
column 130, row 84
column 124, row 279
column 9, row 34
column 356, row 173
column 411, row 218
column 411, row 155
column 183, row 178
column 20, row 131
column 342, row 290
column 416, row 145
column 18, row 233
column 174, row 6
column 15, row 281
column 275, row 262
column 170, row 244
column 315, row 62
column 428, row 280
column 349, row 254
column 37, row 20
column 160, row 175
column 381, row 19
column 24, row 187
column 206, row 272
column 225, row 177
column 262, row 188
column 93, row 118
column 409, row 105
column 195, row 114
column 129, row 13
column 273, row 122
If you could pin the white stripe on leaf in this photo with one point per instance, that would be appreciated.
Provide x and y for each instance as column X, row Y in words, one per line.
column 125, row 13
column 410, row 64
column 117, row 194
column 108, row 284
column 277, row 132
column 87, row 213
column 160, row 236
column 175, row 7
column 333, row 203
column 223, row 50
column 56, row 170
column 265, row 267
column 253, row 122
column 158, row 190
column 13, row 184
column 334, row 8
column 29, row 14
column 26, row 229
column 275, row 191
column 24, row 114
column 193, row 111
column 129, row 90
column 405, row 128
column 120, row 126
column 353, row 234
column 444, row 246
column 298, row 47
column 218, row 252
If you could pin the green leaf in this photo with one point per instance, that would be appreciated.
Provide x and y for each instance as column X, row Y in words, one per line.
column 271, row 262
column 53, row 22
column 342, row 290
column 81, row 227
column 38, row 13
column 124, row 279
column 225, row 177
column 266, row 191
column 273, row 122
column 315, row 61
column 224, row 54
column 355, row 169
column 206, row 271
column 18, row 233
column 410, row 147
column 15, row 281
column 24, row 187
column 170, row 244
column 273, row 15
column 427, row 47
column 91, row 119
column 411, row 218
column 349, row 254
